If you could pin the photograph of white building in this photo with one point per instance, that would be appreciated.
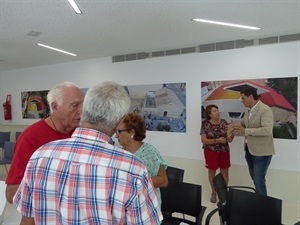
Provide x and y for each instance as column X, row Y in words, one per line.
column 163, row 106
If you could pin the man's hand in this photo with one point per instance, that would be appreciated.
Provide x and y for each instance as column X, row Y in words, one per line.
column 239, row 128
column 27, row 221
column 11, row 190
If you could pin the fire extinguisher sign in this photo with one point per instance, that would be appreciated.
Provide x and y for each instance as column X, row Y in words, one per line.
column 7, row 108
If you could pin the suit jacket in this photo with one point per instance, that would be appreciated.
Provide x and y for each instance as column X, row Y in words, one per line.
column 259, row 130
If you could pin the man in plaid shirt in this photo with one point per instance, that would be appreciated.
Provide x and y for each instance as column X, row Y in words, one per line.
column 86, row 179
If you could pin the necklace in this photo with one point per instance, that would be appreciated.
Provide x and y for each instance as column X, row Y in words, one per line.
column 55, row 127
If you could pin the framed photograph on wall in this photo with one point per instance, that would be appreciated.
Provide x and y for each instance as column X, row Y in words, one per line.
column 163, row 106
column 278, row 93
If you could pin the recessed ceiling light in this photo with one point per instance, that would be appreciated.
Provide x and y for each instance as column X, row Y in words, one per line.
column 56, row 49
column 74, row 6
column 226, row 24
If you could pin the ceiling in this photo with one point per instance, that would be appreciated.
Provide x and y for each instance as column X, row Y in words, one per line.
column 114, row 27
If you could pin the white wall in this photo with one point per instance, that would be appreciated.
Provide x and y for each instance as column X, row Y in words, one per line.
column 269, row 61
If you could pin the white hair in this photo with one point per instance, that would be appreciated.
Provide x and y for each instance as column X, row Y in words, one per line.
column 105, row 104
column 56, row 94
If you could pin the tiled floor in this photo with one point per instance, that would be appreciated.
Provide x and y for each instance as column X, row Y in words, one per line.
column 12, row 216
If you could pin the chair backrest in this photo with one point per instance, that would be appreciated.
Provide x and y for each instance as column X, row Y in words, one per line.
column 181, row 197
column 8, row 150
column 4, row 136
column 220, row 187
column 248, row 208
column 18, row 133
column 175, row 174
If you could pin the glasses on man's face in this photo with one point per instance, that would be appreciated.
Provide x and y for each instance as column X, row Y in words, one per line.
column 119, row 131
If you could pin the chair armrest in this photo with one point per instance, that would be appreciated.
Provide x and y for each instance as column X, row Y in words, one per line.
column 200, row 217
column 208, row 217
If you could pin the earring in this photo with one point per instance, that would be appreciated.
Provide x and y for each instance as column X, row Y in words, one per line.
column 132, row 136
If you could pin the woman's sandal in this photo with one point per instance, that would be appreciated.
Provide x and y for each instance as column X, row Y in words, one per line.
column 213, row 198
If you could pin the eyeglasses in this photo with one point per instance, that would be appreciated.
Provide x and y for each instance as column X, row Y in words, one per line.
column 120, row 131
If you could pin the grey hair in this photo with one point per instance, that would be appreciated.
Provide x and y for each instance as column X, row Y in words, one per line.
column 104, row 105
column 56, row 94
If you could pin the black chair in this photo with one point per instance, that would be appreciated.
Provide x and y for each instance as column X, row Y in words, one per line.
column 175, row 174
column 8, row 153
column 248, row 208
column 297, row 223
column 222, row 192
column 185, row 198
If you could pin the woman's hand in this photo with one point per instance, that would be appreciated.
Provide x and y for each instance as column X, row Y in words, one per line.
column 221, row 140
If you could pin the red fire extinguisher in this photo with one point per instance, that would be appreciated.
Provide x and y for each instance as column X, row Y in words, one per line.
column 7, row 108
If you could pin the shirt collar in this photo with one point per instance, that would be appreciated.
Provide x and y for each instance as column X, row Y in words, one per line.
column 89, row 133
column 251, row 109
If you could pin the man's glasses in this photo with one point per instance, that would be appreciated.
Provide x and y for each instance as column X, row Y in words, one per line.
column 120, row 131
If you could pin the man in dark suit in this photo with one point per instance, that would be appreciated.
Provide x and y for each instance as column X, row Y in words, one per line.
column 257, row 126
